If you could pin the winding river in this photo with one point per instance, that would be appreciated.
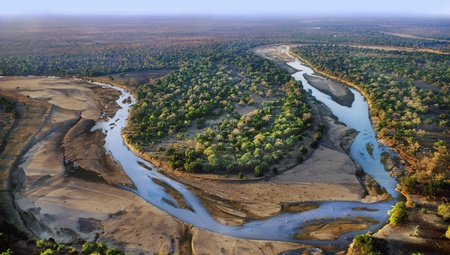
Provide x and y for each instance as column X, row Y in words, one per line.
column 281, row 227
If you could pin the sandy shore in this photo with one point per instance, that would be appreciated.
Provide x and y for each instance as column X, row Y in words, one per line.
column 55, row 203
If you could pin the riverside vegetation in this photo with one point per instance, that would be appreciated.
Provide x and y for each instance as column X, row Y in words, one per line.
column 409, row 95
column 221, row 109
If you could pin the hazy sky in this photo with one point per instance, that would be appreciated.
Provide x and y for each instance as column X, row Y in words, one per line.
column 226, row 7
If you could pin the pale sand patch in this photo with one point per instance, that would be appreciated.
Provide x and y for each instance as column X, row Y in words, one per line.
column 212, row 243
column 69, row 208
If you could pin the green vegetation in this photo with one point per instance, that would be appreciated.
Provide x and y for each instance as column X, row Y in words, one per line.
column 366, row 244
column 49, row 247
column 431, row 186
column 444, row 211
column 247, row 113
column 447, row 233
column 398, row 214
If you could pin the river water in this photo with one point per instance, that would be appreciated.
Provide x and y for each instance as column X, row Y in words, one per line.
column 281, row 227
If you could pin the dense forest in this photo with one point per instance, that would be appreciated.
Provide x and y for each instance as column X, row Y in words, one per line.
column 408, row 92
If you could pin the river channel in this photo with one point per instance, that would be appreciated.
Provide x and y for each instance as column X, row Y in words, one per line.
column 281, row 227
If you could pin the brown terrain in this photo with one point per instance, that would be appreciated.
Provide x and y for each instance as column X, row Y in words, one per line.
column 53, row 132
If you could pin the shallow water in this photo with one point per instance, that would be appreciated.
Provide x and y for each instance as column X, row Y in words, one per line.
column 281, row 227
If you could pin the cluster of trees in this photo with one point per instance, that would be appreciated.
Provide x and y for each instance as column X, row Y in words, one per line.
column 250, row 114
column 366, row 244
column 50, row 247
column 398, row 214
column 409, row 91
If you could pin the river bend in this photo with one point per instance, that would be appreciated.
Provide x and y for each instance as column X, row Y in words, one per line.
column 281, row 227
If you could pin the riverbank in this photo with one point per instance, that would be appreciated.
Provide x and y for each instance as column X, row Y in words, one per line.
column 406, row 160
column 51, row 201
column 410, row 237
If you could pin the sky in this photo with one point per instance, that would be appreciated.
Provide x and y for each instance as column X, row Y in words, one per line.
column 404, row 8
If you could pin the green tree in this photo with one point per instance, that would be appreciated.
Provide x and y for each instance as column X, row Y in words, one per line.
column 444, row 211
column 48, row 252
column 258, row 171
column 364, row 244
column 409, row 183
column 447, row 234
column 8, row 252
column 89, row 248
column 398, row 213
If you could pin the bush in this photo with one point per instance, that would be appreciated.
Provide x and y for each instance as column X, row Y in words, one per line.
column 8, row 252
column 303, row 150
column 48, row 252
column 447, row 234
column 366, row 244
column 258, row 172
column 444, row 211
column 398, row 214
column 89, row 248
column 44, row 245
column 409, row 183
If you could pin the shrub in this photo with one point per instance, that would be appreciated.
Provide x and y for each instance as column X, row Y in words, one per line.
column 447, row 234
column 365, row 245
column 89, row 248
column 409, row 183
column 48, row 252
column 444, row 211
column 303, row 150
column 45, row 245
column 398, row 214
column 8, row 252
column 258, row 172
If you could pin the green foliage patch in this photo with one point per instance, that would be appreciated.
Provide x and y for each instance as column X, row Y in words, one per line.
column 246, row 113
